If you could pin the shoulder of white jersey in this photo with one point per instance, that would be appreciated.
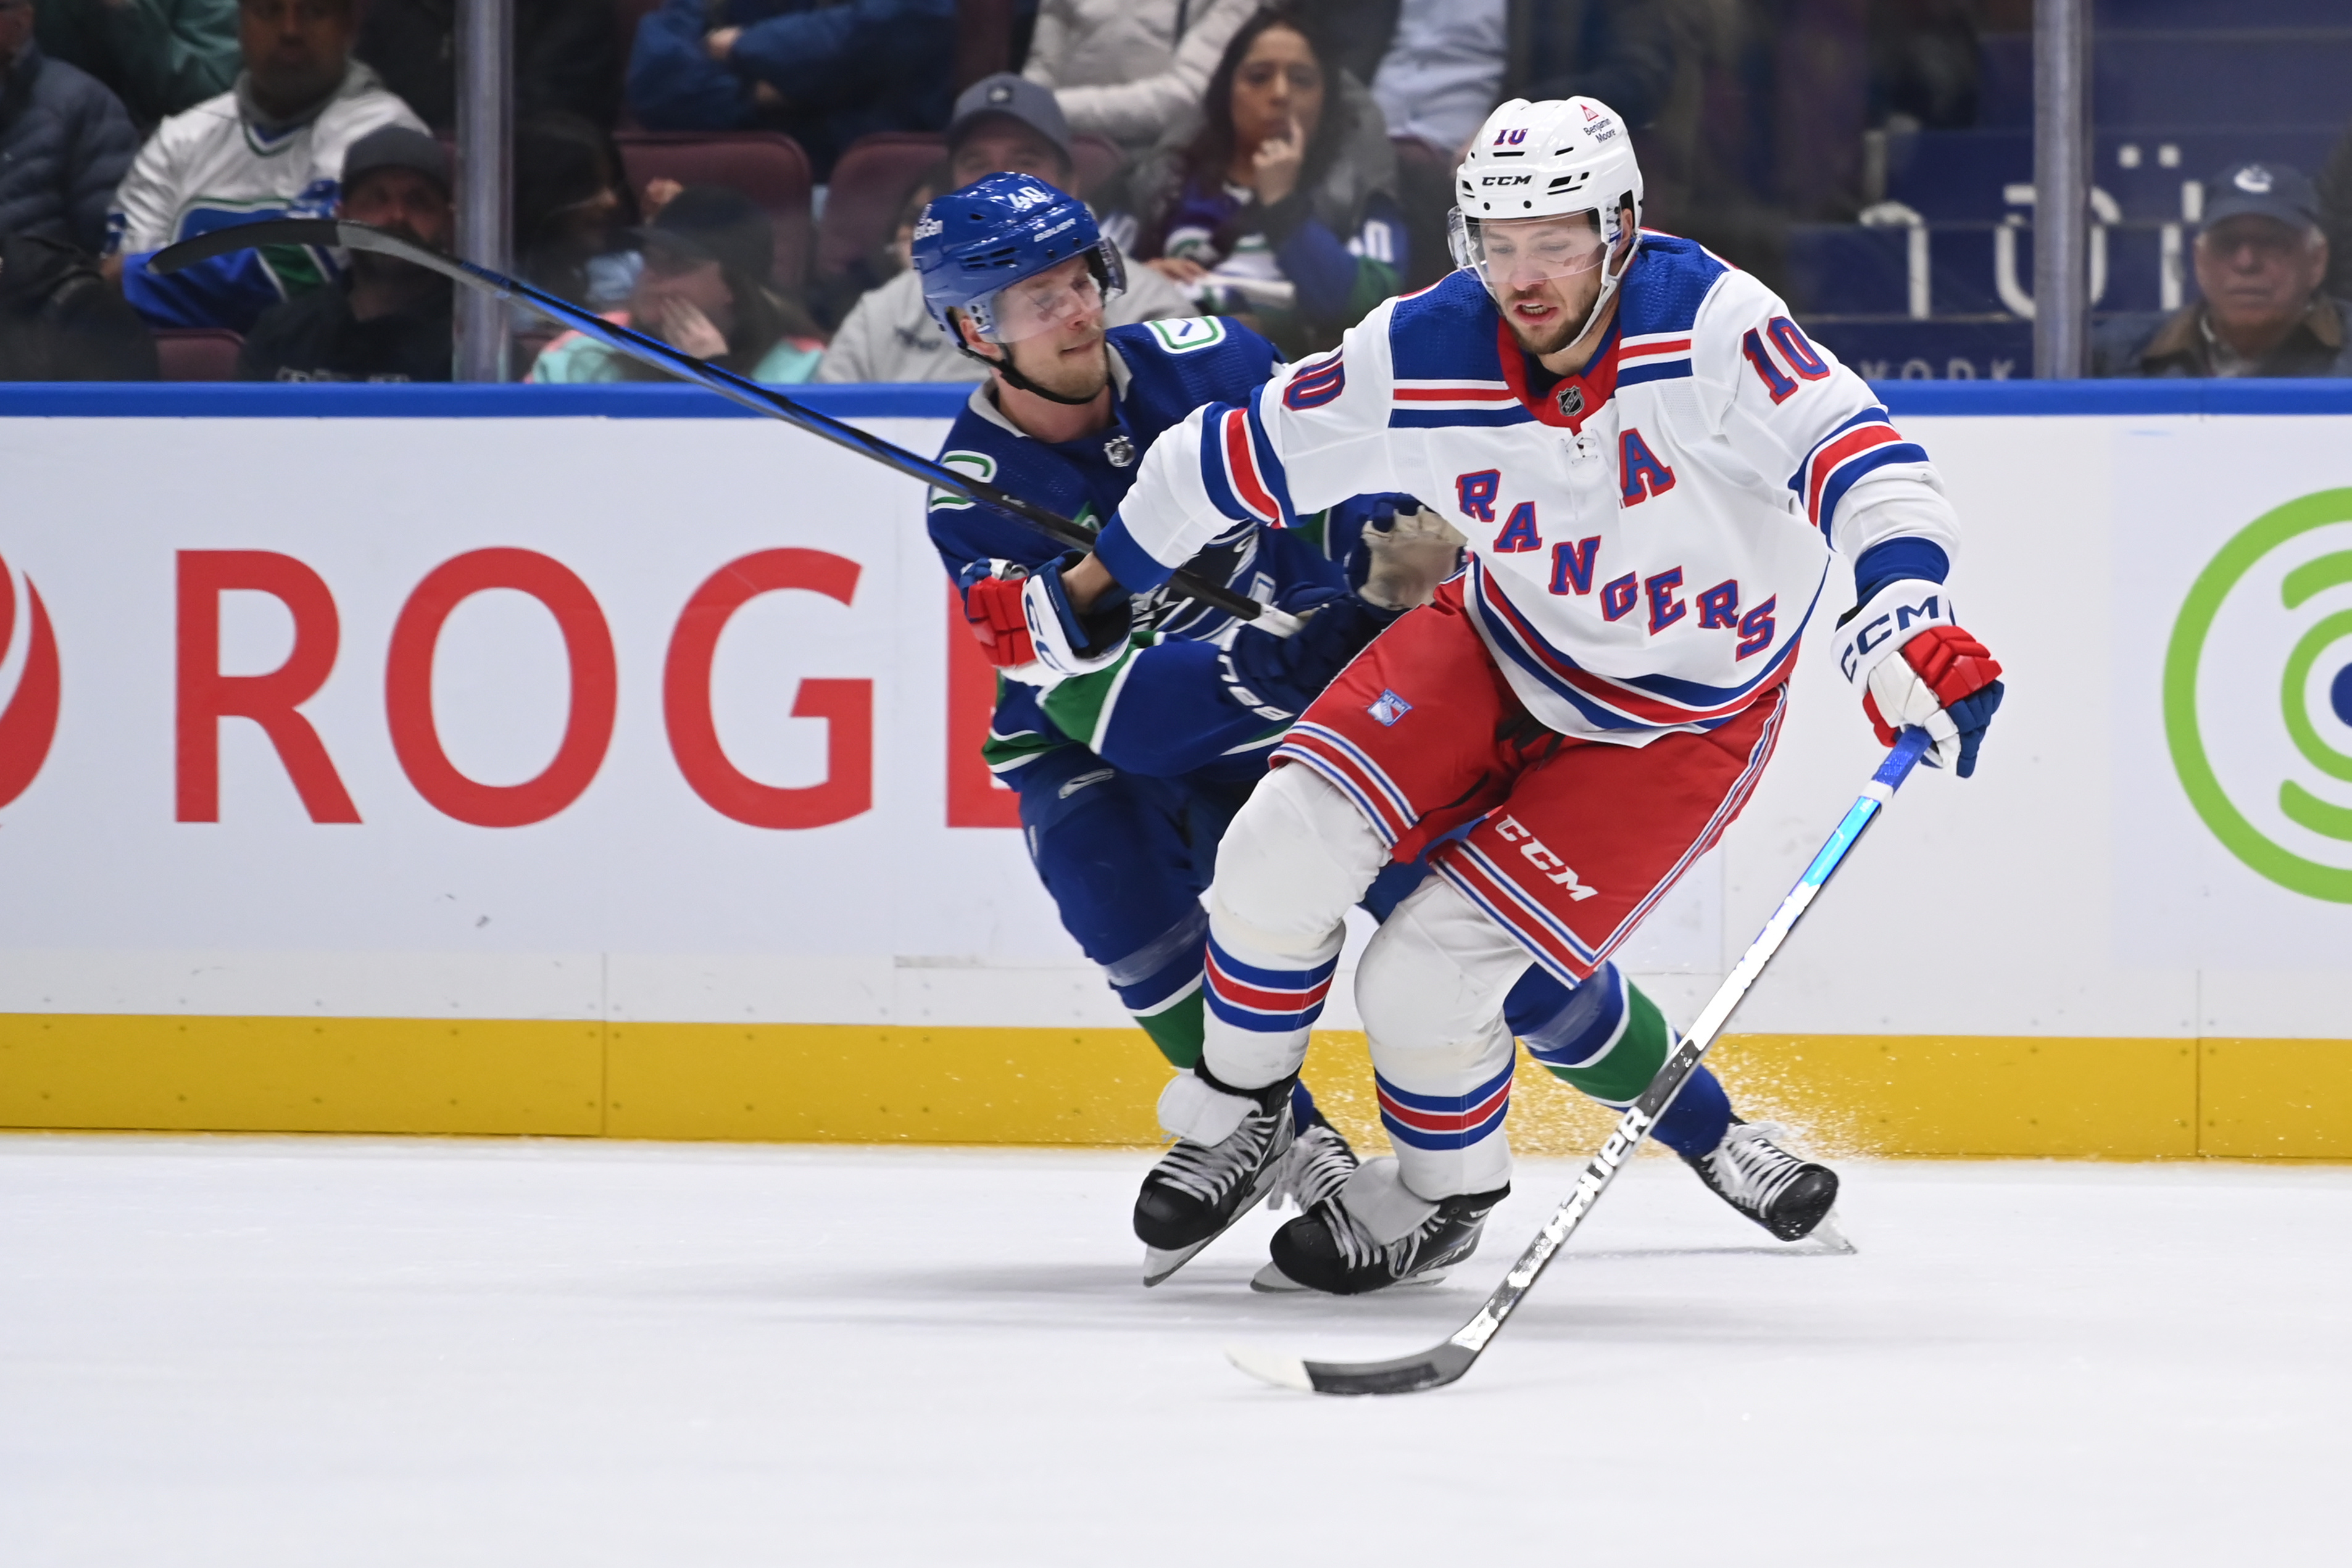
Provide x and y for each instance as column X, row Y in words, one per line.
column 1671, row 279
column 1445, row 365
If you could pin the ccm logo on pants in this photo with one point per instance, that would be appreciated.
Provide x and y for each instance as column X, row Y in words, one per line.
column 1555, row 869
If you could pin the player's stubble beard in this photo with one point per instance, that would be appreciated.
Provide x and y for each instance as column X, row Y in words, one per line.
column 1073, row 364
column 1573, row 299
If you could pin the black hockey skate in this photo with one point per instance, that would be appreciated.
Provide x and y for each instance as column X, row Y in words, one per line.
column 1787, row 1195
column 1197, row 1190
column 1328, row 1248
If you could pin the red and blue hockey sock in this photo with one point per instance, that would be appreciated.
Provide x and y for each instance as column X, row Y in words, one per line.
column 1260, row 1007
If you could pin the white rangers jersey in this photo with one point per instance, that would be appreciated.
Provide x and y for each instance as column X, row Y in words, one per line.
column 213, row 167
column 1649, row 539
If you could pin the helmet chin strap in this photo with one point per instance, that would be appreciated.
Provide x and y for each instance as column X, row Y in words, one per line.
column 1005, row 367
column 1610, row 277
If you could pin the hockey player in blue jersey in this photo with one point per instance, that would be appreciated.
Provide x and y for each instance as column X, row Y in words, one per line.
column 1133, row 735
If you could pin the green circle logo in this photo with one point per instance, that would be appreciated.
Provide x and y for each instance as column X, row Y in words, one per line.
column 2258, row 687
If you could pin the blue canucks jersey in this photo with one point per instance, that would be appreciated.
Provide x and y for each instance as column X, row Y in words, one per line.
column 1168, row 706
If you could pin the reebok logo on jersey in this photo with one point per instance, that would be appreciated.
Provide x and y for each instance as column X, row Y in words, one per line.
column 1389, row 708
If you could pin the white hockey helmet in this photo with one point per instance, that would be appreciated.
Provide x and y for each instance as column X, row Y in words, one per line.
column 1560, row 158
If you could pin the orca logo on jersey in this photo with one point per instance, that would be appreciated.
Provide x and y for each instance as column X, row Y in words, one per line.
column 1556, row 871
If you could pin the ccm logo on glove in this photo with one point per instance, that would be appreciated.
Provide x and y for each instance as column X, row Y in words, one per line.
column 1916, row 668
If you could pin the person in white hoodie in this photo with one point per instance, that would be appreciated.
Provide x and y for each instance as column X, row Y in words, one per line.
column 271, row 146
column 1127, row 69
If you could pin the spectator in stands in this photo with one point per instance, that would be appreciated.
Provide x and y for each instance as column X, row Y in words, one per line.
column 1127, row 69
column 271, row 146
column 1003, row 124
column 60, row 322
column 64, row 141
column 161, row 56
column 573, row 210
column 566, row 57
column 1278, row 199
column 1442, row 72
column 384, row 320
column 2335, row 215
column 704, row 291
column 2259, row 259
column 825, row 71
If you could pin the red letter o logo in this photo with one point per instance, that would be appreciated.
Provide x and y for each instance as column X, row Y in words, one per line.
column 408, row 688
column 848, row 706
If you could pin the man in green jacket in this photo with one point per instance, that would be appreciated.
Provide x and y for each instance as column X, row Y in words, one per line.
column 159, row 56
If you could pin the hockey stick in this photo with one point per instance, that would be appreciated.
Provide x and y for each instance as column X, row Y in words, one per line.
column 329, row 233
column 1447, row 1362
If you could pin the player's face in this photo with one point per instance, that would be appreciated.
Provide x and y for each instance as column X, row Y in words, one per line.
column 1544, row 273
column 1050, row 325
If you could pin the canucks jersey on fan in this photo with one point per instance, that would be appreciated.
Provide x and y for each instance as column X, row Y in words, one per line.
column 220, row 164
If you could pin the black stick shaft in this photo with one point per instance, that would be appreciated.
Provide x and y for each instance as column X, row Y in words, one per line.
column 742, row 389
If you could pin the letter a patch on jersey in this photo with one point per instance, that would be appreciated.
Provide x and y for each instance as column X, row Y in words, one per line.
column 1389, row 708
column 1643, row 474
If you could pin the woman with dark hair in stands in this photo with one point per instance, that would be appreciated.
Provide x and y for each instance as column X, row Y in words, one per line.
column 705, row 290
column 1278, row 199
column 573, row 210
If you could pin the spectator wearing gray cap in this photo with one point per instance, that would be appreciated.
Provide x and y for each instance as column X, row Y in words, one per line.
column 2261, row 258
column 1002, row 124
column 384, row 320
column 705, row 290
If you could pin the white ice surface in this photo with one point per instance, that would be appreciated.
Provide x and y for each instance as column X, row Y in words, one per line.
column 313, row 1352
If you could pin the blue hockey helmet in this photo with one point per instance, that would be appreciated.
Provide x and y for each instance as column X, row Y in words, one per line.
column 973, row 243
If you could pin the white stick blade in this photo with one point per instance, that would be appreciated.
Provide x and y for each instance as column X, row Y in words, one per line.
column 1282, row 1371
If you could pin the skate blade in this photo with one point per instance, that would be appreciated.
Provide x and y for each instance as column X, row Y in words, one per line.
column 1158, row 1264
column 1271, row 1281
column 1826, row 1241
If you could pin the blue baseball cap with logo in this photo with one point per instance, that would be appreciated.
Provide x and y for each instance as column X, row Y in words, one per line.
column 2261, row 190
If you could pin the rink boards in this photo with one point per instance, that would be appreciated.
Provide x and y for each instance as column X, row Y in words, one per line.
column 588, row 761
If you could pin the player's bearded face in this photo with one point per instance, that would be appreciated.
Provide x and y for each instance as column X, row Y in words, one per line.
column 1051, row 327
column 1545, row 273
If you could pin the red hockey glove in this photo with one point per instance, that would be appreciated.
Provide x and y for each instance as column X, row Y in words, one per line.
column 991, row 606
column 1916, row 667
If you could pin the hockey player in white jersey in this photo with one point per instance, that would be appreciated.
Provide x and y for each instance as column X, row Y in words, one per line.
column 1653, row 465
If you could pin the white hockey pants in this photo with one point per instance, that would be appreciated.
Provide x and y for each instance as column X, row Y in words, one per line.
column 1431, row 987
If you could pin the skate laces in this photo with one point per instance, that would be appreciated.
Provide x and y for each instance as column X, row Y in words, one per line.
column 1315, row 1169
column 1209, row 1171
column 1751, row 1169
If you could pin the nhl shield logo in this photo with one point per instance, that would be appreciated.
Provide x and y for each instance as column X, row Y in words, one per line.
column 1389, row 708
column 1572, row 401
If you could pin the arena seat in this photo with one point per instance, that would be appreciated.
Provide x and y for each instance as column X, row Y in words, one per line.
column 768, row 167
column 197, row 353
column 862, row 199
